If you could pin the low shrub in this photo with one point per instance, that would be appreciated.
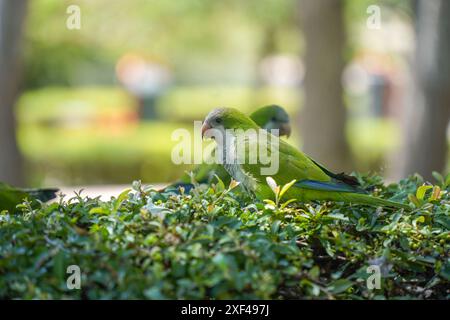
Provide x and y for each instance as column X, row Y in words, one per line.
column 216, row 242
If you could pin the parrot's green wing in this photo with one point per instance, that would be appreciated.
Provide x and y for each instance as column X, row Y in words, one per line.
column 310, row 174
column 313, row 181
column 292, row 164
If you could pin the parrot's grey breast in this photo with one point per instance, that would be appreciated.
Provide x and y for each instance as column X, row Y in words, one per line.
column 235, row 169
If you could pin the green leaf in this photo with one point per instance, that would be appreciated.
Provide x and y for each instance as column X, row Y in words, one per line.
column 420, row 193
column 286, row 187
column 99, row 210
column 220, row 186
column 314, row 272
column 285, row 204
column 123, row 195
column 275, row 226
column 270, row 202
column 340, row 286
column 414, row 200
column 439, row 178
column 436, row 193
column 121, row 198
column 447, row 180
column 337, row 216
column 421, row 219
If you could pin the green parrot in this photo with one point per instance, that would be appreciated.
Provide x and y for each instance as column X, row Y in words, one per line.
column 10, row 197
column 271, row 117
column 312, row 180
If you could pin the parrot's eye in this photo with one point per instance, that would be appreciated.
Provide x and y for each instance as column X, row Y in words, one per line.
column 274, row 118
column 219, row 120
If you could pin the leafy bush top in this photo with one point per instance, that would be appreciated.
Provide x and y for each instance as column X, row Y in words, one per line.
column 215, row 242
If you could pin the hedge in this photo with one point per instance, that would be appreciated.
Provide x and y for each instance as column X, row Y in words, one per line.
column 217, row 243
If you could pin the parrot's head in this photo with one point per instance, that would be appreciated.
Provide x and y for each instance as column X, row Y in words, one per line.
column 223, row 119
column 272, row 117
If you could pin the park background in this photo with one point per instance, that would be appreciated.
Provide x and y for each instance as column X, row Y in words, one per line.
column 367, row 83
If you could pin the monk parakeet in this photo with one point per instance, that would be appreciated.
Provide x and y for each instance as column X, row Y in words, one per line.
column 312, row 181
column 10, row 197
column 271, row 117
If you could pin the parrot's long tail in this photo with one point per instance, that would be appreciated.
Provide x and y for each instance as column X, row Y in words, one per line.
column 370, row 200
column 43, row 195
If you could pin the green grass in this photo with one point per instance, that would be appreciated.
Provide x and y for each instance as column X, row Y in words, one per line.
column 217, row 243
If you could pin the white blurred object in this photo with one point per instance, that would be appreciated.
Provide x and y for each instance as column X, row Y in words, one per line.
column 282, row 70
column 393, row 36
column 141, row 76
column 355, row 78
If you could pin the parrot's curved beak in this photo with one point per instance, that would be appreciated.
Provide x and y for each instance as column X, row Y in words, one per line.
column 285, row 129
column 205, row 127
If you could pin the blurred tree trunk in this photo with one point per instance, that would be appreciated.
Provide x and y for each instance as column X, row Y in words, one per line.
column 428, row 117
column 323, row 118
column 12, row 14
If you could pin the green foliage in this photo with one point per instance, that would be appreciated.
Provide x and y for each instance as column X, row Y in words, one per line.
column 84, row 135
column 88, row 135
column 371, row 139
column 97, row 155
column 229, row 36
column 215, row 242
column 194, row 102
column 74, row 106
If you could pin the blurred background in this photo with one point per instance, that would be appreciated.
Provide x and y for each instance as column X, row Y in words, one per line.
column 91, row 90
